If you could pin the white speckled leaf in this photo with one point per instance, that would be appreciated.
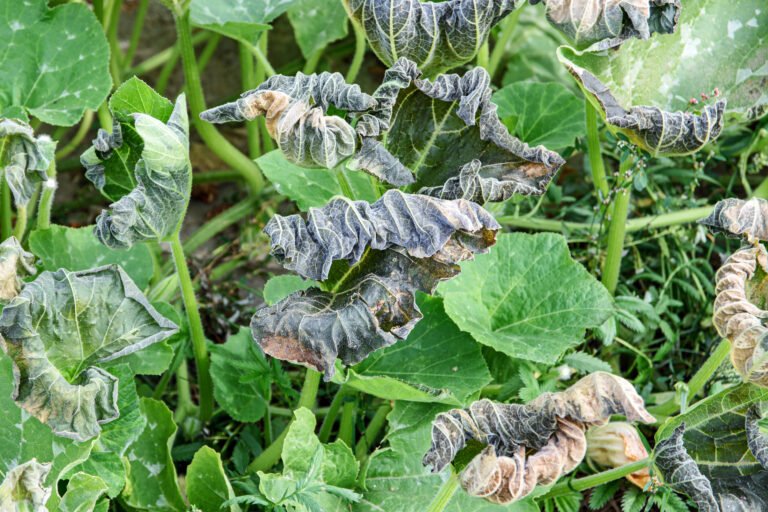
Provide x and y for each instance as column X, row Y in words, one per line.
column 243, row 20
column 59, row 328
column 15, row 263
column 84, row 491
column 24, row 487
column 717, row 45
column 55, row 62
column 436, row 35
column 737, row 217
column 317, row 23
column 24, row 159
column 154, row 209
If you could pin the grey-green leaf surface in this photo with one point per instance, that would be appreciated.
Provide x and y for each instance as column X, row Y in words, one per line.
column 436, row 35
column 241, row 377
column 54, row 82
column 83, row 493
column 152, row 483
column 436, row 363
column 242, row 20
column 519, row 298
column 313, row 187
column 717, row 45
column 317, row 23
column 740, row 218
column 23, row 487
column 24, row 158
column 541, row 113
column 435, row 128
column 15, row 263
column 207, row 484
column 60, row 328
column 155, row 208
column 79, row 249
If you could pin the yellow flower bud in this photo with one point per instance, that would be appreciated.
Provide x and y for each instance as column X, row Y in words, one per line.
column 616, row 444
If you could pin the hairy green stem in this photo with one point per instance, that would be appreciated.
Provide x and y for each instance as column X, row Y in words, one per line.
column 594, row 153
column 184, row 404
column 372, row 431
column 445, row 493
column 199, row 348
column 333, row 412
column 82, row 131
column 617, row 228
column 588, row 482
column 46, row 199
column 311, row 65
column 210, row 135
column 207, row 53
column 138, row 27
column 359, row 56
column 248, row 82
column 309, row 389
column 482, row 55
column 347, row 421
column 508, row 27
column 105, row 118
column 261, row 58
column 116, row 56
column 20, row 227
column 6, row 212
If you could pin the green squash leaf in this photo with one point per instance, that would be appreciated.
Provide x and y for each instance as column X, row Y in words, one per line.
column 207, row 484
column 79, row 249
column 15, row 263
column 151, row 475
column 279, row 287
column 56, row 63
column 241, row 377
column 519, row 298
column 436, row 363
column 242, row 20
column 317, row 23
column 24, row 487
column 155, row 208
column 24, row 159
column 60, row 328
column 541, row 113
column 83, row 493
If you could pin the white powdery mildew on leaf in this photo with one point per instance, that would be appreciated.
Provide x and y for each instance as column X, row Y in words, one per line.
column 756, row 440
column 737, row 217
column 221, row 12
column 24, row 487
column 25, row 159
column 15, row 263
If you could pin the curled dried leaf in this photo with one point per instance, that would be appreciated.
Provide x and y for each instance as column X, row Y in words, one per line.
column 437, row 36
column 25, row 158
column 15, row 262
column 681, row 472
column 737, row 217
column 23, row 487
column 738, row 319
column 458, row 125
column 103, row 146
column 155, row 208
column 756, row 440
column 655, row 130
column 615, row 444
column 60, row 328
column 607, row 23
column 344, row 229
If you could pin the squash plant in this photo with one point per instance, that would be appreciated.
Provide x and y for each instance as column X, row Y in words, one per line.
column 431, row 293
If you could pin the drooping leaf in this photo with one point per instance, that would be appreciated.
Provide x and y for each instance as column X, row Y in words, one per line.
column 83, row 493
column 23, row 487
column 312, row 187
column 607, row 23
column 78, row 249
column 54, row 82
column 547, row 114
column 155, row 208
column 716, row 46
column 279, row 287
column 532, row 444
column 207, row 484
column 435, row 128
column 436, row 35
column 241, row 377
column 24, row 158
column 413, row 243
column 151, row 475
column 435, row 363
column 737, row 318
column 518, row 298
column 737, row 217
column 111, row 161
column 317, row 23
column 15, row 263
column 242, row 20
column 59, row 328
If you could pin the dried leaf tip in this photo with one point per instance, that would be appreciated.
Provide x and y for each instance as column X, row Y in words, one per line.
column 740, row 218
column 15, row 262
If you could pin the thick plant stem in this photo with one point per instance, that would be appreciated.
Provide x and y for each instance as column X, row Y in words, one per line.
column 347, row 422
column 357, row 59
column 482, row 56
column 210, row 135
column 248, row 82
column 46, row 199
column 372, row 431
column 346, row 188
column 507, row 31
column 204, row 384
column 617, row 229
column 82, row 131
column 309, row 389
column 6, row 227
column 21, row 223
column 330, row 418
column 445, row 493
column 313, row 61
column 261, row 58
column 588, row 482
column 595, row 154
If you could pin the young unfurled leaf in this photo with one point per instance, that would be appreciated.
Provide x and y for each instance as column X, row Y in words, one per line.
column 617, row 443
column 655, row 130
column 373, row 305
column 738, row 319
column 457, row 123
column 532, row 444
column 59, row 328
column 15, row 263
column 155, row 208
column 24, row 158
column 737, row 217
column 607, row 23
column 24, row 487
column 56, row 62
column 436, row 35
